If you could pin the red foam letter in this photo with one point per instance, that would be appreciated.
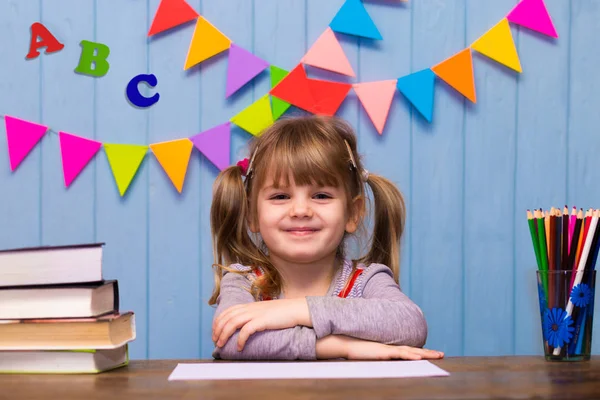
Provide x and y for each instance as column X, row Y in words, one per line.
column 48, row 40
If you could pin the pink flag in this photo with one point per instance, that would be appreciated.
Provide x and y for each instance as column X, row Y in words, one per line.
column 22, row 137
column 214, row 144
column 533, row 14
column 76, row 153
column 376, row 98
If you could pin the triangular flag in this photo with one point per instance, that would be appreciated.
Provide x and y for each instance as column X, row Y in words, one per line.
column 76, row 153
column 214, row 144
column 207, row 41
column 294, row 89
column 328, row 95
column 327, row 53
column 498, row 44
column 174, row 157
column 418, row 88
column 241, row 68
column 256, row 117
column 376, row 98
column 534, row 15
column 278, row 106
column 457, row 71
column 124, row 160
column 353, row 19
column 22, row 136
column 171, row 13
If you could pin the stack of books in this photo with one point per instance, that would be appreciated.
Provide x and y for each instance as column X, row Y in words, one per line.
column 58, row 314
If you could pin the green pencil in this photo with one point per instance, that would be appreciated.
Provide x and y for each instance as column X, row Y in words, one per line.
column 534, row 238
column 543, row 248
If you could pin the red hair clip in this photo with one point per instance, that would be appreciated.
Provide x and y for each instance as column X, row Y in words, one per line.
column 243, row 164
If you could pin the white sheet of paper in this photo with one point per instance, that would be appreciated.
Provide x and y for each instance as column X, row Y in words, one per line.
column 305, row 370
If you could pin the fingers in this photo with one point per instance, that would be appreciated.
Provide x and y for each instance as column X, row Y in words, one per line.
column 223, row 319
column 231, row 326
column 246, row 331
column 420, row 353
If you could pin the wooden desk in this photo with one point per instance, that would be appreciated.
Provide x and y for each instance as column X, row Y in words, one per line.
column 471, row 378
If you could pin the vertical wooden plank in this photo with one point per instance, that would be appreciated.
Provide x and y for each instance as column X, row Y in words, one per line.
column 541, row 158
column 389, row 154
column 489, row 193
column 67, row 105
column 437, row 176
column 122, row 221
column 234, row 21
column 173, row 222
column 583, row 142
column 21, row 91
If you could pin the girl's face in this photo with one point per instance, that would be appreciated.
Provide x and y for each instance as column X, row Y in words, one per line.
column 302, row 224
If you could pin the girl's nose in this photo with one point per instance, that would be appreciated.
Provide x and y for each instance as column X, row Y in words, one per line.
column 300, row 208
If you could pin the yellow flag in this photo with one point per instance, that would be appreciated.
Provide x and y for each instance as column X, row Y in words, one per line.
column 174, row 157
column 256, row 117
column 498, row 44
column 207, row 41
column 124, row 160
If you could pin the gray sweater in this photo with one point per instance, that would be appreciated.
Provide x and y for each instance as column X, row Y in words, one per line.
column 375, row 309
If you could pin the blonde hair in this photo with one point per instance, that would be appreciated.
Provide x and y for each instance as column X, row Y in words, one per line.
column 310, row 150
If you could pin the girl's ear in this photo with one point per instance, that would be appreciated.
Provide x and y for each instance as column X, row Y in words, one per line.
column 356, row 211
column 252, row 225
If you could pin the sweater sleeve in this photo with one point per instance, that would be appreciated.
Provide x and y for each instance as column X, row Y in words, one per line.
column 383, row 314
column 281, row 344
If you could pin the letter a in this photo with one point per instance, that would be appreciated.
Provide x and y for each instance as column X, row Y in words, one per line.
column 48, row 41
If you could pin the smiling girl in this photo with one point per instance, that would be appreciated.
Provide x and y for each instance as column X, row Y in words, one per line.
column 285, row 288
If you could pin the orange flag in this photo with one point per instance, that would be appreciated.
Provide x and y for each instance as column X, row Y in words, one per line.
column 207, row 42
column 457, row 71
column 174, row 157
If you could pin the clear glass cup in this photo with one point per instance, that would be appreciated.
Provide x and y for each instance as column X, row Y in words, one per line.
column 566, row 300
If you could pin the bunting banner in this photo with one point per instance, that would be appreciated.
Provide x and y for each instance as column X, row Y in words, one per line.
column 287, row 88
column 171, row 13
column 457, row 71
column 498, row 44
column 256, row 117
column 22, row 136
column 353, row 19
column 174, row 157
column 76, row 152
column 124, row 161
column 214, row 144
column 376, row 98
column 207, row 41
column 278, row 106
column 534, row 15
column 327, row 53
column 242, row 67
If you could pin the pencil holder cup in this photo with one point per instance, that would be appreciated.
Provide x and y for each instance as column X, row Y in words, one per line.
column 566, row 302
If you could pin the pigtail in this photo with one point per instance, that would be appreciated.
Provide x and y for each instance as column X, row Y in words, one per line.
column 389, row 219
column 231, row 238
column 229, row 225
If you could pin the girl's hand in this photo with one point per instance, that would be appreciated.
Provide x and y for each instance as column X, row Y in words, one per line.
column 257, row 317
column 357, row 349
column 340, row 346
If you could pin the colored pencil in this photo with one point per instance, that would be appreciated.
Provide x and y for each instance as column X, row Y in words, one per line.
column 585, row 255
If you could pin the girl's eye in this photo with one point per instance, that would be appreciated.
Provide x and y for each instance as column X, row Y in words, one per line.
column 278, row 197
column 322, row 196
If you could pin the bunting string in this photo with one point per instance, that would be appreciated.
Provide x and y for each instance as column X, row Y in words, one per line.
column 287, row 88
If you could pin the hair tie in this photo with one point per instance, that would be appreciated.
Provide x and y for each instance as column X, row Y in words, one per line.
column 365, row 175
column 243, row 164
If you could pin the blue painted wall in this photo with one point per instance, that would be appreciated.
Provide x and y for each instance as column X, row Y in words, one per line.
column 530, row 141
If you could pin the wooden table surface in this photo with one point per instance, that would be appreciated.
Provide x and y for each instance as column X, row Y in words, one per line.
column 470, row 378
